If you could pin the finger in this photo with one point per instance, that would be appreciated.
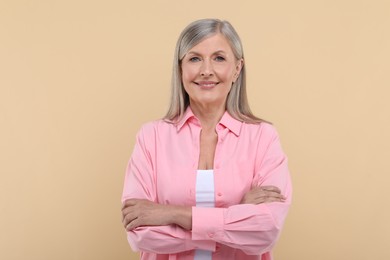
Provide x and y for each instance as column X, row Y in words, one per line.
column 270, row 188
column 268, row 200
column 260, row 191
column 129, row 206
column 132, row 225
column 128, row 219
column 126, row 211
column 273, row 199
column 263, row 193
column 129, row 202
column 271, row 194
column 275, row 195
column 261, row 197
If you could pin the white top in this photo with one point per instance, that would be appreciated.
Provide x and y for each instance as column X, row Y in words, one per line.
column 205, row 199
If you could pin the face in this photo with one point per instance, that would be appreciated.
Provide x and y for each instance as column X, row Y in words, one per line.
column 209, row 70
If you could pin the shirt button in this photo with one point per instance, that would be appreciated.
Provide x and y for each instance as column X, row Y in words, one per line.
column 219, row 194
column 210, row 234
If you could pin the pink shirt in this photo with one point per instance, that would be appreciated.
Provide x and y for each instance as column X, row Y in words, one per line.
column 163, row 169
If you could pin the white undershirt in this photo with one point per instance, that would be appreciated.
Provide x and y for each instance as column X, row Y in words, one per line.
column 204, row 199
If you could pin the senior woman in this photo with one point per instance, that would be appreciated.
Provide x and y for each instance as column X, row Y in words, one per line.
column 210, row 179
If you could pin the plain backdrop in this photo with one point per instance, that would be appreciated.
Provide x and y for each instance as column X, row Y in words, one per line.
column 79, row 78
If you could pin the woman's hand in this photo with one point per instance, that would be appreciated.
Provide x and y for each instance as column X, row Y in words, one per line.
column 140, row 212
column 263, row 194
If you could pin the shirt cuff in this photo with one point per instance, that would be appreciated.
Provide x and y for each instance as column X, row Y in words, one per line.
column 204, row 245
column 207, row 223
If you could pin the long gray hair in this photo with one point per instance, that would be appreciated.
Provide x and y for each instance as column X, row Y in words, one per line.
column 237, row 102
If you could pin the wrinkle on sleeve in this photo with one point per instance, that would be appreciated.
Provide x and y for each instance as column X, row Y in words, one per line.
column 140, row 183
column 253, row 229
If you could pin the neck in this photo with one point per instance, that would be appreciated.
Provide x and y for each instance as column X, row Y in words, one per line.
column 209, row 116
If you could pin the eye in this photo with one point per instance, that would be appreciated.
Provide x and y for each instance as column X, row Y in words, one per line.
column 194, row 59
column 220, row 58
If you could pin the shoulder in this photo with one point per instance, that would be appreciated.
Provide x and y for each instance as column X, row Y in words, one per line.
column 268, row 130
column 152, row 128
column 263, row 130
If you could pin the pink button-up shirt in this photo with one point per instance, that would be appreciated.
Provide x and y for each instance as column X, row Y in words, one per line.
column 163, row 169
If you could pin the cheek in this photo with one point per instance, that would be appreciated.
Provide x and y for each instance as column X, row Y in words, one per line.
column 226, row 72
column 186, row 79
column 184, row 76
column 188, row 72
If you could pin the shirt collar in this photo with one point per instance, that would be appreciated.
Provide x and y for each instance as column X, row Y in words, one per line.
column 187, row 115
column 227, row 121
column 231, row 123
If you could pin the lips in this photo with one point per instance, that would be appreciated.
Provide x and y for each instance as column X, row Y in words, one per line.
column 206, row 84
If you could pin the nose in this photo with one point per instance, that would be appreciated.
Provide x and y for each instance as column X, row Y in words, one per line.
column 206, row 69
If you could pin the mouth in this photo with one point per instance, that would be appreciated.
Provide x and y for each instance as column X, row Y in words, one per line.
column 206, row 84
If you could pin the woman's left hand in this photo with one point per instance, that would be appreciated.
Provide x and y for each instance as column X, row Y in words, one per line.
column 263, row 194
column 140, row 212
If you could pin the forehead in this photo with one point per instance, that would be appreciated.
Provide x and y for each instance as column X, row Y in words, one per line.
column 213, row 43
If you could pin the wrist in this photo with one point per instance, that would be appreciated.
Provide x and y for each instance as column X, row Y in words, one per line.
column 181, row 216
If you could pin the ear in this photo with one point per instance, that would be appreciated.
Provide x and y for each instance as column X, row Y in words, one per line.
column 239, row 65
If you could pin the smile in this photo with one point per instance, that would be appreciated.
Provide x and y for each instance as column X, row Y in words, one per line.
column 206, row 84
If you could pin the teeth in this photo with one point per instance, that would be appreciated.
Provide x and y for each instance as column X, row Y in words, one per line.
column 208, row 85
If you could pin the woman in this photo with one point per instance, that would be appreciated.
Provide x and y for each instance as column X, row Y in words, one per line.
column 210, row 180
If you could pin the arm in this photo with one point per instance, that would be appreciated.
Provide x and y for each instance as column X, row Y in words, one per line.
column 251, row 228
column 139, row 186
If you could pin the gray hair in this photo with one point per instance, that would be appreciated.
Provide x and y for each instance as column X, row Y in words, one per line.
column 237, row 102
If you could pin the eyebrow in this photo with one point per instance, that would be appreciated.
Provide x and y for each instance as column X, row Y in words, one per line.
column 198, row 54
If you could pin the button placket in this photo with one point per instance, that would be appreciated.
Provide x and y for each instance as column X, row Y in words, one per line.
column 217, row 166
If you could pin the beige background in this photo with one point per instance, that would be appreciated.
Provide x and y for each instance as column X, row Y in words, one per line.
column 78, row 78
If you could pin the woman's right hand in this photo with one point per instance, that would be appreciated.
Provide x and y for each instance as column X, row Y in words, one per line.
column 263, row 194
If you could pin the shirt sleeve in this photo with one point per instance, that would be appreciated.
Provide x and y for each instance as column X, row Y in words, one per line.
column 254, row 229
column 140, row 183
